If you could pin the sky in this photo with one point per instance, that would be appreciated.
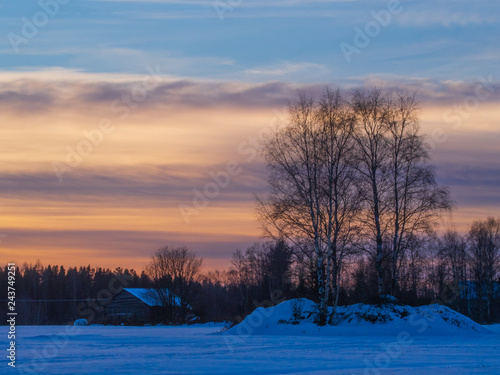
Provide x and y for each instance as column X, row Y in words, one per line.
column 129, row 125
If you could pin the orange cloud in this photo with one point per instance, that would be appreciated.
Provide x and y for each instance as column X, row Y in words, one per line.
column 118, row 199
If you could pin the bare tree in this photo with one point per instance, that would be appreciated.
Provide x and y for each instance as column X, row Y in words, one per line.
column 402, row 197
column 239, row 273
column 417, row 200
column 313, row 192
column 484, row 247
column 173, row 271
column 341, row 196
column 372, row 157
column 346, row 171
column 452, row 251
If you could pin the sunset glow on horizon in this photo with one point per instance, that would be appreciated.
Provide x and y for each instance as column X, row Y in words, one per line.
column 108, row 132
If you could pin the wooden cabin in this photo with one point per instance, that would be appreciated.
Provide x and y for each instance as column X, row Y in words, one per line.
column 136, row 305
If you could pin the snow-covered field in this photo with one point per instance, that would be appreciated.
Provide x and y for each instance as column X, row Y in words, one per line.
column 194, row 350
column 261, row 347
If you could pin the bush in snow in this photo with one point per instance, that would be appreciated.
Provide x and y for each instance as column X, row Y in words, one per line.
column 297, row 306
column 388, row 299
column 81, row 322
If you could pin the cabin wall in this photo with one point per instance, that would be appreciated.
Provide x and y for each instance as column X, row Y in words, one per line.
column 125, row 305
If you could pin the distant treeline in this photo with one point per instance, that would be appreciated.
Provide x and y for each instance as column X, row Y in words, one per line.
column 451, row 269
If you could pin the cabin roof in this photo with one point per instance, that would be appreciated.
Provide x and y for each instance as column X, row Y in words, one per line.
column 151, row 296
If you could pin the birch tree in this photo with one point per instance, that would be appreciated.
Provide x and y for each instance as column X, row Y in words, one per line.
column 372, row 154
column 341, row 196
column 417, row 200
column 313, row 193
column 402, row 197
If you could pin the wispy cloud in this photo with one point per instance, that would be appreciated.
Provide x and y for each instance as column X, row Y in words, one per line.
column 38, row 90
column 445, row 17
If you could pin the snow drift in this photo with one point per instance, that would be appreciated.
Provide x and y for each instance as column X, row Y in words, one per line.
column 296, row 317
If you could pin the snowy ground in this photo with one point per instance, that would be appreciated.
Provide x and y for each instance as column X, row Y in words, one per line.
column 196, row 350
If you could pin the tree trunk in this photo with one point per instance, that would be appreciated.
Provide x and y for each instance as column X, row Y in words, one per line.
column 335, row 291
column 323, row 298
column 380, row 255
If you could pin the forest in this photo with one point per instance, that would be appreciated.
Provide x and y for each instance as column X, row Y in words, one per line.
column 450, row 269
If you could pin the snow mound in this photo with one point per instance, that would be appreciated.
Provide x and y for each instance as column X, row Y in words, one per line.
column 296, row 317
column 493, row 327
column 429, row 319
